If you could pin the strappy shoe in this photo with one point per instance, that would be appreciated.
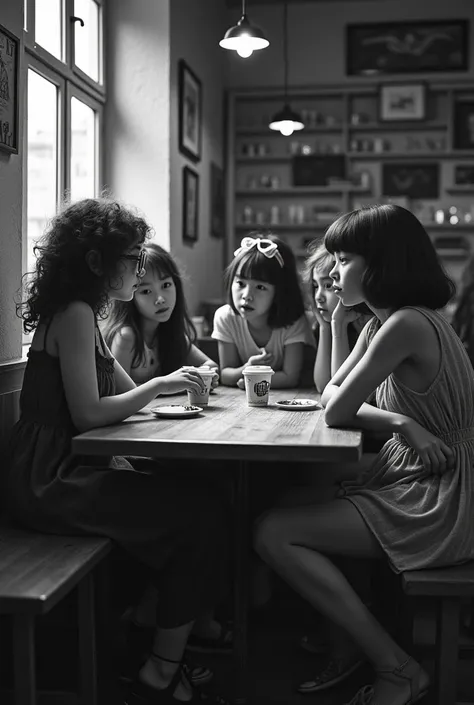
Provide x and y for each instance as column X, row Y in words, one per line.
column 408, row 670
column 139, row 642
column 334, row 672
column 143, row 694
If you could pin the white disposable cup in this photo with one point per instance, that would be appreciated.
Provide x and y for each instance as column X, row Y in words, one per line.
column 258, row 380
column 196, row 398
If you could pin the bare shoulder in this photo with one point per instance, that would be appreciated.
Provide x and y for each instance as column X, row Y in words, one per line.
column 76, row 315
column 410, row 326
column 126, row 336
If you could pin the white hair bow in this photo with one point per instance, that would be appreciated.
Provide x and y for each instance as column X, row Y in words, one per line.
column 263, row 245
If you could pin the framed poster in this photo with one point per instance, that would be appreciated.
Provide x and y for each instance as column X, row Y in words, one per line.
column 464, row 123
column 9, row 68
column 402, row 101
column 407, row 47
column 217, row 201
column 411, row 180
column 317, row 170
column 190, row 204
column 190, row 112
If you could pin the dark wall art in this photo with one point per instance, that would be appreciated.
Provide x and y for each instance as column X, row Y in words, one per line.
column 407, row 47
column 9, row 68
column 411, row 180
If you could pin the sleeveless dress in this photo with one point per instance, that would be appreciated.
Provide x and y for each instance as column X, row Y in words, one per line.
column 422, row 520
column 159, row 513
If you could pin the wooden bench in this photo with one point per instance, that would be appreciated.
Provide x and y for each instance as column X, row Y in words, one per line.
column 38, row 570
column 448, row 587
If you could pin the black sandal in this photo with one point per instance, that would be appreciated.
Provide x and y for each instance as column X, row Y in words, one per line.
column 143, row 694
column 365, row 695
column 139, row 643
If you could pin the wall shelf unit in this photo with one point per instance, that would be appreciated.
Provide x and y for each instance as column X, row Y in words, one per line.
column 345, row 121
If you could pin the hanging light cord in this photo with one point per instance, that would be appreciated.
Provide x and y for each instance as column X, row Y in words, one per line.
column 285, row 48
column 243, row 7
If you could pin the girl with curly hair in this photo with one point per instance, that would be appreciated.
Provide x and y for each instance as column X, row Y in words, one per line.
column 152, row 334
column 93, row 253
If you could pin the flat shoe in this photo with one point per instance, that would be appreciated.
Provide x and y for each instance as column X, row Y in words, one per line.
column 332, row 674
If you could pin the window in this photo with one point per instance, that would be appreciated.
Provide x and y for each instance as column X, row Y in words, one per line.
column 65, row 95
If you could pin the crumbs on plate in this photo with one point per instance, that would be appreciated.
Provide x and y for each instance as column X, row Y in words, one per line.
column 297, row 402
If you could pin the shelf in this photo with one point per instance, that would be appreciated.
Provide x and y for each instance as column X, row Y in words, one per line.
column 396, row 126
column 263, row 160
column 410, row 155
column 275, row 133
column 286, row 227
column 461, row 189
column 302, row 191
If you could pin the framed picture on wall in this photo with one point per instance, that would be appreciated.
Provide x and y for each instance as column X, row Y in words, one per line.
column 464, row 123
column 9, row 111
column 407, row 47
column 190, row 205
column 402, row 101
column 464, row 175
column 190, row 112
column 217, row 201
column 411, row 180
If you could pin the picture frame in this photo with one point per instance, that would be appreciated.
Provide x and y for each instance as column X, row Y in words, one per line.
column 464, row 175
column 463, row 134
column 217, row 209
column 402, row 102
column 190, row 205
column 317, row 169
column 410, row 179
column 9, row 97
column 407, row 47
column 190, row 112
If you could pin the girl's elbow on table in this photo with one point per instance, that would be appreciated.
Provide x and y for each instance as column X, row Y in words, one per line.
column 335, row 415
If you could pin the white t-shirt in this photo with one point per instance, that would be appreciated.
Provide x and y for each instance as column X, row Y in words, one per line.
column 229, row 327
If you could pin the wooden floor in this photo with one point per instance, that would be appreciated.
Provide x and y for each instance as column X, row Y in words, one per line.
column 277, row 664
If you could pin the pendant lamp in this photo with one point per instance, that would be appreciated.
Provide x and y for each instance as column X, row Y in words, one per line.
column 286, row 120
column 244, row 38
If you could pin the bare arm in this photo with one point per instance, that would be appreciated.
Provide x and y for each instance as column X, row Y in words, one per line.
column 340, row 345
column 322, row 364
column 231, row 367
column 76, row 347
column 122, row 348
column 123, row 381
column 292, row 362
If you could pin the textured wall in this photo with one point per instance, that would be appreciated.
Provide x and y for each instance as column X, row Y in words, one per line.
column 11, row 174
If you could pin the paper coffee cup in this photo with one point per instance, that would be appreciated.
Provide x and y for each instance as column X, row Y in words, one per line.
column 196, row 398
column 257, row 384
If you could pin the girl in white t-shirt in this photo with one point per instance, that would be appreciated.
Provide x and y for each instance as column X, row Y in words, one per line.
column 264, row 322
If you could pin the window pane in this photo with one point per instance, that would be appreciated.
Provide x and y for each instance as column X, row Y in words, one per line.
column 48, row 25
column 41, row 159
column 83, row 150
column 86, row 39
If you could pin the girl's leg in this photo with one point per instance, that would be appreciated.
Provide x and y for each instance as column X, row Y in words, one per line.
column 165, row 659
column 294, row 542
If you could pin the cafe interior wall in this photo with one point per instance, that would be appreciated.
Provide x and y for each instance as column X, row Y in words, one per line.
column 316, row 36
column 11, row 177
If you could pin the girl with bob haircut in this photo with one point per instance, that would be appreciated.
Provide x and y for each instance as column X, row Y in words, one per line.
column 152, row 334
column 263, row 322
column 413, row 504
column 93, row 253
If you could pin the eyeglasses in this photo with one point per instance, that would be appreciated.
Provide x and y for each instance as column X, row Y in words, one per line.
column 140, row 259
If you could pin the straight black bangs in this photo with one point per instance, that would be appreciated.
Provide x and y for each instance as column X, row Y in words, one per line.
column 254, row 265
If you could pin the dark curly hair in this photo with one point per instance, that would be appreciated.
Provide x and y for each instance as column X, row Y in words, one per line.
column 173, row 337
column 62, row 274
column 403, row 268
column 288, row 305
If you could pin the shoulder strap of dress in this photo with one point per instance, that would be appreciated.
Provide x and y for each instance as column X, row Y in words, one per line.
column 46, row 333
column 99, row 340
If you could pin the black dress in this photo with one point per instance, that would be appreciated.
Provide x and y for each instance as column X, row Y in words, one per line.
column 177, row 529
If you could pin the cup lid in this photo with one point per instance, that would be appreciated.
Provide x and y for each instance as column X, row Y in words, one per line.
column 257, row 369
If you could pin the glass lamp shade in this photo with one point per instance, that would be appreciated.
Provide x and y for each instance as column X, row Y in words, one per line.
column 286, row 121
column 244, row 38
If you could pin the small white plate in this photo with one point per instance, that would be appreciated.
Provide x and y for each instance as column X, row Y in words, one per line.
column 298, row 404
column 176, row 411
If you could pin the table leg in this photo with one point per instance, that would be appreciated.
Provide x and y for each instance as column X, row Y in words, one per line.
column 241, row 582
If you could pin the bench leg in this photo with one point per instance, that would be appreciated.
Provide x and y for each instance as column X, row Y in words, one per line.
column 447, row 650
column 24, row 659
column 87, row 643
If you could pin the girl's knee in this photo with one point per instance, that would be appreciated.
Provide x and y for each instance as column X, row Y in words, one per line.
column 269, row 534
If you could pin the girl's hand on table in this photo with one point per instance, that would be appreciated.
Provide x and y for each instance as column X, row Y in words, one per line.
column 436, row 456
column 264, row 358
column 180, row 381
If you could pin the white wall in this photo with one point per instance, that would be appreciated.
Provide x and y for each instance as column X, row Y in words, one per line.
column 11, row 174
column 316, row 38
column 194, row 37
column 137, row 122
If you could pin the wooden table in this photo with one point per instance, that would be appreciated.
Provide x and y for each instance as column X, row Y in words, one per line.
column 230, row 430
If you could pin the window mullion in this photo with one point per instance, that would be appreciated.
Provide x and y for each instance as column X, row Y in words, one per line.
column 69, row 32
